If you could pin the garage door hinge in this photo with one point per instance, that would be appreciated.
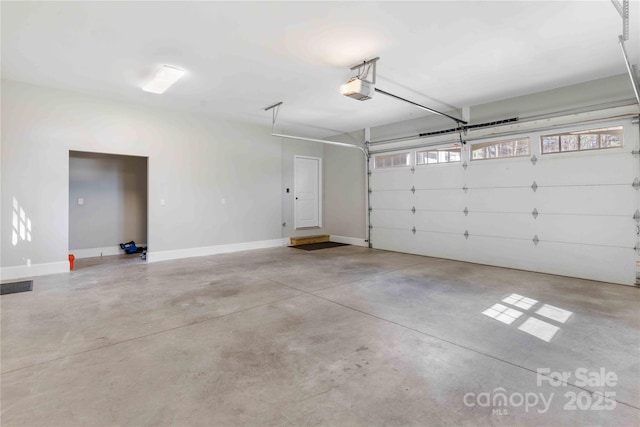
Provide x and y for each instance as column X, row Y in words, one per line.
column 370, row 226
column 636, row 152
column 370, row 208
column 536, row 240
column 534, row 160
column 636, row 183
column 534, row 186
column 535, row 213
column 413, row 190
column 413, row 169
column 413, row 230
column 636, row 215
column 465, row 188
column 466, row 211
column 369, row 173
column 466, row 234
column 370, row 190
column 413, row 209
column 637, row 248
column 464, row 165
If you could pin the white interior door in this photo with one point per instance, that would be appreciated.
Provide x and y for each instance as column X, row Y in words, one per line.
column 307, row 207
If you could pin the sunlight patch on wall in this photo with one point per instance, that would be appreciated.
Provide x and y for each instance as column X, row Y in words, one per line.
column 21, row 224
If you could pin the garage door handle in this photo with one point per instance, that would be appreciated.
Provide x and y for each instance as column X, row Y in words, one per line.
column 296, row 198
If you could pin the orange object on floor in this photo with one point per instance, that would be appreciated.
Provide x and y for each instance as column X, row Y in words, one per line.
column 71, row 259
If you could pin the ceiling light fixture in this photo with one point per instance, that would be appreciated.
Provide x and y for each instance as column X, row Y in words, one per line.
column 164, row 78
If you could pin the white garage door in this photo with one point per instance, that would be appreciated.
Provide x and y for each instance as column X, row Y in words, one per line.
column 569, row 211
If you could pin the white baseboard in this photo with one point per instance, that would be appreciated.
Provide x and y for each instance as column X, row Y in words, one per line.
column 27, row 271
column 349, row 240
column 96, row 252
column 214, row 250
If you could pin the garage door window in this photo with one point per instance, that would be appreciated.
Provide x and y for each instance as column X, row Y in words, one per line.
column 500, row 149
column 593, row 139
column 441, row 155
column 396, row 160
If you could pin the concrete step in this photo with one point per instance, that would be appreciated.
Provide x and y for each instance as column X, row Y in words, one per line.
column 304, row 240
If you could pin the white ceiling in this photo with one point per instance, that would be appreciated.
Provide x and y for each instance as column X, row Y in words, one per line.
column 243, row 56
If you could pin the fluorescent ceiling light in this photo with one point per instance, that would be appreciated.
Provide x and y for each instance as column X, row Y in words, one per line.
column 164, row 78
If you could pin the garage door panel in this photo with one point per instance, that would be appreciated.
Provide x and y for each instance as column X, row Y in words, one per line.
column 597, row 167
column 391, row 200
column 500, row 200
column 506, row 225
column 595, row 200
column 440, row 221
column 585, row 262
column 511, row 253
column 500, row 173
column 392, row 218
column 394, row 240
column 612, row 231
column 391, row 180
column 441, row 245
column 453, row 200
column 439, row 176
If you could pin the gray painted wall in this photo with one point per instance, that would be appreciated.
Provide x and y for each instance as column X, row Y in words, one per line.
column 344, row 187
column 343, row 184
column 195, row 161
column 114, row 190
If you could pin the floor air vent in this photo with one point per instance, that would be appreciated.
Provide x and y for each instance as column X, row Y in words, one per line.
column 15, row 287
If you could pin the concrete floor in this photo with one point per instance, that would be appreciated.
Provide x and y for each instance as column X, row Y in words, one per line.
column 341, row 336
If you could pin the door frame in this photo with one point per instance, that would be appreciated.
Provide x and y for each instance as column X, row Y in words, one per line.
column 110, row 153
column 295, row 210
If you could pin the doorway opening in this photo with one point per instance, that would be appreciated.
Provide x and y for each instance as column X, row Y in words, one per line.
column 108, row 196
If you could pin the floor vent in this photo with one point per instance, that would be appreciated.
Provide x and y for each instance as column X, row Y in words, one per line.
column 15, row 287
